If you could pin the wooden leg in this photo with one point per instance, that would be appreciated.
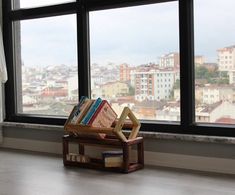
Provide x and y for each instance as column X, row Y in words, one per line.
column 140, row 149
column 81, row 149
column 65, row 149
column 126, row 157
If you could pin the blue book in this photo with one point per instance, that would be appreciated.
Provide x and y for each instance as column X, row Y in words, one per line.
column 91, row 111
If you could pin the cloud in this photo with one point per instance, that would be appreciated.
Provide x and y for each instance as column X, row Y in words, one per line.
column 133, row 35
column 49, row 41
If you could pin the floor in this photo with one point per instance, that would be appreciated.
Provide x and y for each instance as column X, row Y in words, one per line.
column 25, row 173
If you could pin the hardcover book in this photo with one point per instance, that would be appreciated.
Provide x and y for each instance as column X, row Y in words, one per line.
column 104, row 116
column 95, row 105
column 75, row 111
column 71, row 116
column 113, row 158
column 81, row 111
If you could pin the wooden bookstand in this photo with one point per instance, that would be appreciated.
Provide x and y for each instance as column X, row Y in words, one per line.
column 98, row 163
column 115, row 138
column 115, row 130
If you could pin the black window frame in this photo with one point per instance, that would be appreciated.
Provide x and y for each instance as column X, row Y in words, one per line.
column 82, row 8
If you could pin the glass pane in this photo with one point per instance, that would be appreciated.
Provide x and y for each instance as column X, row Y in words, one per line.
column 215, row 61
column 37, row 3
column 46, row 65
column 135, row 59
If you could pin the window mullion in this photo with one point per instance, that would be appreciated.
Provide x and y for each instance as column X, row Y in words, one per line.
column 186, row 63
column 83, row 53
column 7, row 37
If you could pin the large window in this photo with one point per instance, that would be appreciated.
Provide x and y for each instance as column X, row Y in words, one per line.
column 48, row 65
column 214, row 62
column 137, row 67
column 170, row 61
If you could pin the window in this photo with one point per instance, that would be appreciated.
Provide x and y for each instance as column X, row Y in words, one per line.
column 48, row 65
column 126, row 43
column 158, row 56
column 212, row 72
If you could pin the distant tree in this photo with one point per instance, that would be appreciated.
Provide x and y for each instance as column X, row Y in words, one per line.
column 212, row 77
column 223, row 74
column 223, row 81
column 201, row 72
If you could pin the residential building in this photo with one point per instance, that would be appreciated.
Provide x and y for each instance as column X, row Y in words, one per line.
column 199, row 60
column 214, row 112
column 72, row 87
column 170, row 60
column 215, row 93
column 125, row 72
column 226, row 61
column 153, row 84
column 114, row 89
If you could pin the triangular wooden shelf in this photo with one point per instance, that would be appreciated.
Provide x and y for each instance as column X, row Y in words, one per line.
column 116, row 129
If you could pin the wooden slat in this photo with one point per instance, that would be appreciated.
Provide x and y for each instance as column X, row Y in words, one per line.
column 86, row 129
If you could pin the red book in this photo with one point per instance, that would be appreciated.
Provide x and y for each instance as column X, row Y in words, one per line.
column 104, row 116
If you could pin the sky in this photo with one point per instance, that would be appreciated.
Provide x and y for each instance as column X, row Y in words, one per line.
column 134, row 35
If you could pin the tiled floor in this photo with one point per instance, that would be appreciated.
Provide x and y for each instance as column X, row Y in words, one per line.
column 24, row 173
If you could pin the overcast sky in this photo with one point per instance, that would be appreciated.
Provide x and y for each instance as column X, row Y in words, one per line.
column 134, row 35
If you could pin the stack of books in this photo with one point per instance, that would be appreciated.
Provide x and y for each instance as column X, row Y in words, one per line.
column 93, row 113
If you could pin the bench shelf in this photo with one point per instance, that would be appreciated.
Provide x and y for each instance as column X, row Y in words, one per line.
column 108, row 141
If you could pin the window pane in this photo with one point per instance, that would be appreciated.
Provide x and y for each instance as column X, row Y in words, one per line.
column 46, row 65
column 215, row 61
column 37, row 3
column 135, row 59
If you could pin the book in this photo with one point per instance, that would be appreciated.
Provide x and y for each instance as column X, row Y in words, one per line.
column 76, row 110
column 95, row 105
column 104, row 116
column 81, row 111
column 113, row 164
column 72, row 113
column 113, row 158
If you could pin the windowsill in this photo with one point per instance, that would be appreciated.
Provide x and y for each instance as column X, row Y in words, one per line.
column 151, row 135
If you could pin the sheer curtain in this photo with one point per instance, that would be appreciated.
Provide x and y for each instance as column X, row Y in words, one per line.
column 3, row 79
column 3, row 70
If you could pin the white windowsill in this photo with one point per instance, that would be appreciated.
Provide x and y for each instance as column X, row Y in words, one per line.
column 151, row 135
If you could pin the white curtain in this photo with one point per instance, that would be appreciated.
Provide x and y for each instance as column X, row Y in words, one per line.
column 3, row 79
column 3, row 69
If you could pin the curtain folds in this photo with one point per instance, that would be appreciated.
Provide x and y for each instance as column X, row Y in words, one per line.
column 3, row 69
column 3, row 79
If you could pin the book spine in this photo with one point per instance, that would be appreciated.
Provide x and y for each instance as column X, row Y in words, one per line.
column 80, row 107
column 97, row 112
column 84, row 110
column 70, row 116
column 91, row 111
column 76, row 112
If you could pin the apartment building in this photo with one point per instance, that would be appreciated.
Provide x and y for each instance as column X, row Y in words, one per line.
column 226, row 61
column 153, row 84
column 214, row 93
column 170, row 60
